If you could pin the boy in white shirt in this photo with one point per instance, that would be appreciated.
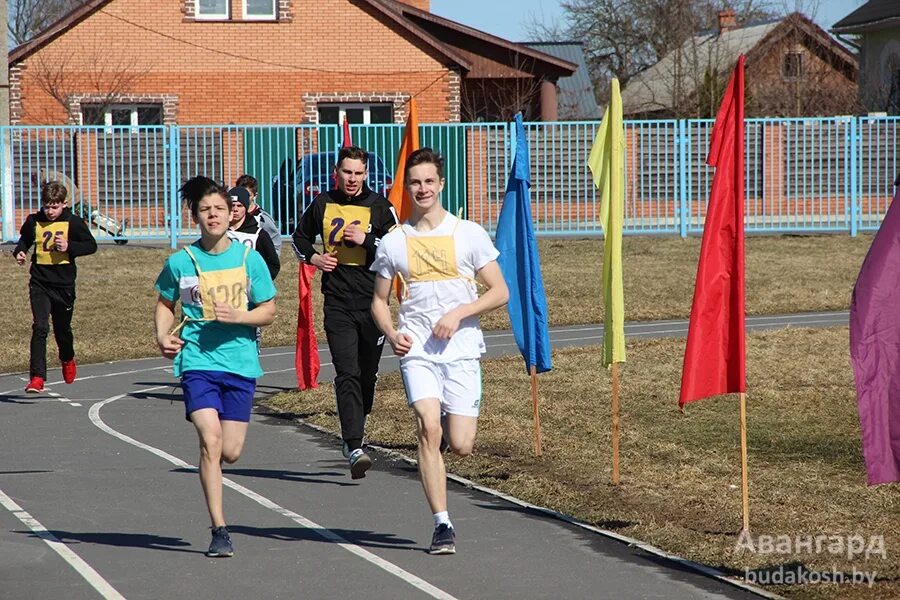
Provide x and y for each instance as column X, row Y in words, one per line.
column 438, row 338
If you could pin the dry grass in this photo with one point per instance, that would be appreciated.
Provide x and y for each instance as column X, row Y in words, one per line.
column 113, row 315
column 680, row 473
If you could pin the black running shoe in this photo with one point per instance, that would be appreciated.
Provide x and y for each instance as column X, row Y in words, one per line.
column 443, row 541
column 220, row 546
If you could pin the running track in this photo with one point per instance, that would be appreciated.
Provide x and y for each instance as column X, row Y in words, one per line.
column 99, row 499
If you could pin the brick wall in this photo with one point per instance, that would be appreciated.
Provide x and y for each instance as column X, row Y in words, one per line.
column 236, row 71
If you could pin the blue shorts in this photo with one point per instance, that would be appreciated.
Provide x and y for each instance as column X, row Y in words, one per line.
column 231, row 395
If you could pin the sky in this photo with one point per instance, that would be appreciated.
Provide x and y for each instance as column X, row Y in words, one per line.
column 509, row 18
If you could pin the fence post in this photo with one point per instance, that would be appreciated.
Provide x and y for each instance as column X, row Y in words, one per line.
column 682, row 196
column 174, row 184
column 855, row 163
column 6, row 187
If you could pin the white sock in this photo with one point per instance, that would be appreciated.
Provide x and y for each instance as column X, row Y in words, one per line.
column 442, row 517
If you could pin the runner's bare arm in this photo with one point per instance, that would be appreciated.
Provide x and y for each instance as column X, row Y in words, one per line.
column 496, row 296
column 164, row 320
column 381, row 312
column 263, row 314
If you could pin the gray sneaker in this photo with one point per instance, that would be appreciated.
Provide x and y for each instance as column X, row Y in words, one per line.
column 359, row 463
column 443, row 541
column 345, row 449
column 220, row 546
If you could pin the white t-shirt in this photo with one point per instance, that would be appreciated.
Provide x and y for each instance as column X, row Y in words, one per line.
column 428, row 301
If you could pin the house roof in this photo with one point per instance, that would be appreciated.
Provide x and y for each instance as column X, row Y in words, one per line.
column 874, row 14
column 576, row 93
column 448, row 39
column 488, row 51
column 653, row 90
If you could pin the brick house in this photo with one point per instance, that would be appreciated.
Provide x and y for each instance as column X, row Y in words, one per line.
column 185, row 62
column 793, row 69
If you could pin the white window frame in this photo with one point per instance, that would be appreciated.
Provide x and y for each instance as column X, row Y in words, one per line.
column 366, row 106
column 270, row 17
column 133, row 107
column 212, row 17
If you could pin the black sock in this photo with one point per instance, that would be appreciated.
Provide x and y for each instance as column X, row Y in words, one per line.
column 354, row 444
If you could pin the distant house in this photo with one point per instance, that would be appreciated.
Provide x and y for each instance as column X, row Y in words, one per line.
column 577, row 100
column 793, row 68
column 163, row 62
column 876, row 28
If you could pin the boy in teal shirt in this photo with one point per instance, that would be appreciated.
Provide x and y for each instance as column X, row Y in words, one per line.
column 226, row 293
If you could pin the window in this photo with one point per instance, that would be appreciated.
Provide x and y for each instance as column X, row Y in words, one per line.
column 259, row 10
column 113, row 115
column 212, row 9
column 792, row 67
column 357, row 114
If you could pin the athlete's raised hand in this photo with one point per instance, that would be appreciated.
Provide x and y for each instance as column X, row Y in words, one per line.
column 447, row 326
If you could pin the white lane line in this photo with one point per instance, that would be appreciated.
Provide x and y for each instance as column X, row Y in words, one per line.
column 76, row 562
column 327, row 534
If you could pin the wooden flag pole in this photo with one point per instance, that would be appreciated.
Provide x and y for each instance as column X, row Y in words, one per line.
column 537, row 418
column 615, row 423
column 745, row 487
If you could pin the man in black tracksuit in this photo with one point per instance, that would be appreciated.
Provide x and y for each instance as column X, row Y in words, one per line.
column 58, row 237
column 245, row 229
column 351, row 221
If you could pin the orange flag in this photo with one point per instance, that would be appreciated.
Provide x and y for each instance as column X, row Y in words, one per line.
column 397, row 196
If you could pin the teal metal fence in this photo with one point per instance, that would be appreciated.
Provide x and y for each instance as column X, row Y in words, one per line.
column 802, row 175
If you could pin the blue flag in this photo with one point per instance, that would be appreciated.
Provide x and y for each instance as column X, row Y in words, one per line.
column 520, row 263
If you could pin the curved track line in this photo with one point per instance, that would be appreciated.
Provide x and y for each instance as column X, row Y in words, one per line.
column 327, row 534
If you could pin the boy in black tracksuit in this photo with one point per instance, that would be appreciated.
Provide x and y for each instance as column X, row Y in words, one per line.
column 58, row 237
column 246, row 229
column 351, row 221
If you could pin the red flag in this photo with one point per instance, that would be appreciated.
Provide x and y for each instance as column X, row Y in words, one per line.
column 714, row 360
column 347, row 140
column 398, row 196
column 306, row 359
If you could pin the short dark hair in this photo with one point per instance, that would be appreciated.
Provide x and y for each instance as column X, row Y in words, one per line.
column 249, row 182
column 424, row 156
column 53, row 192
column 353, row 153
column 197, row 188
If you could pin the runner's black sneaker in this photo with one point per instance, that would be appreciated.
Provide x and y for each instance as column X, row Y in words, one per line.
column 220, row 546
column 443, row 541
column 359, row 463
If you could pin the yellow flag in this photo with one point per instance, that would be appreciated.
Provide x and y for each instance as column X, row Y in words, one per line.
column 607, row 164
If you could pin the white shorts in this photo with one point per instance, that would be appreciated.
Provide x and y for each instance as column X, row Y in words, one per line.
column 456, row 384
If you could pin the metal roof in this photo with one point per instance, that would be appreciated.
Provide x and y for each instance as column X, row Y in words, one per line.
column 874, row 14
column 576, row 93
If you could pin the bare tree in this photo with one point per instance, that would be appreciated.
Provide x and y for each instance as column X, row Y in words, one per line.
column 499, row 99
column 101, row 77
column 624, row 37
column 27, row 18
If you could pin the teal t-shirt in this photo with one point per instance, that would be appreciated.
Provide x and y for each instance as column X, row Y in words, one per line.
column 211, row 345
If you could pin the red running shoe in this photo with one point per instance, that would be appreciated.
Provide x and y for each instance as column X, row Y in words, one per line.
column 69, row 370
column 35, row 386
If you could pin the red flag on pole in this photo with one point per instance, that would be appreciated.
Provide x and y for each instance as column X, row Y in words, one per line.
column 714, row 360
column 347, row 142
column 306, row 359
